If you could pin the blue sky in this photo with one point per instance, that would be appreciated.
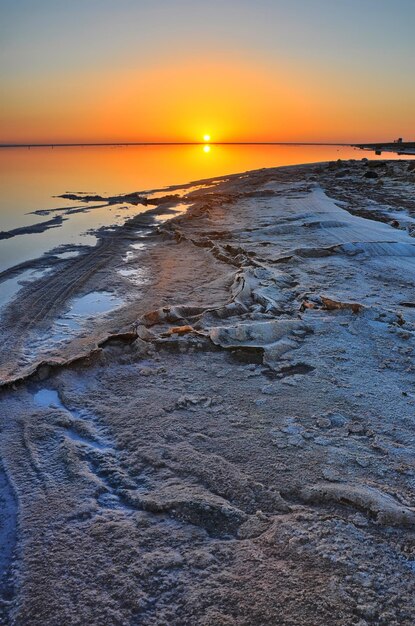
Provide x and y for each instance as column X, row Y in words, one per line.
column 364, row 43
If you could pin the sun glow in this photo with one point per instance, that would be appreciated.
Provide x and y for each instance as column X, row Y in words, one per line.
column 206, row 148
column 206, row 137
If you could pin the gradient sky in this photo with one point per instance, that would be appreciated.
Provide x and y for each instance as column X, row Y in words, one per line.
column 173, row 70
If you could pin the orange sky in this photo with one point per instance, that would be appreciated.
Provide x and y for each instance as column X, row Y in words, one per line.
column 186, row 87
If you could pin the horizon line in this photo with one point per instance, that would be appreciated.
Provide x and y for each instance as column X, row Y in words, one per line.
column 173, row 143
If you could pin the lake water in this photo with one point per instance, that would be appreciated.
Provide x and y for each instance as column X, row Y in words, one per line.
column 31, row 178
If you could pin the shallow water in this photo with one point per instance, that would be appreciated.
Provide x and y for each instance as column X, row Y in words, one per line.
column 94, row 303
column 47, row 397
column 10, row 287
column 83, row 308
column 30, row 178
column 71, row 324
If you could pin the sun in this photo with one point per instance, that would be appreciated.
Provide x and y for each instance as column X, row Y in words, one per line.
column 206, row 137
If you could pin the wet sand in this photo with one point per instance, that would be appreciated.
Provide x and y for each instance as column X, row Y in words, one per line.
column 232, row 442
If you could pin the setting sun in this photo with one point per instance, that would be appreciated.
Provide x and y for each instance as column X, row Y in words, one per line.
column 206, row 137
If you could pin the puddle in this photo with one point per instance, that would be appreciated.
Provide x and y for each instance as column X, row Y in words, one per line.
column 48, row 397
column 84, row 307
column 67, row 255
column 10, row 287
column 178, row 209
column 71, row 323
column 95, row 302
column 135, row 276
column 176, row 192
column 138, row 246
column 130, row 254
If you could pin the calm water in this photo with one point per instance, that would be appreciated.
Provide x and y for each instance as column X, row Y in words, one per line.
column 30, row 178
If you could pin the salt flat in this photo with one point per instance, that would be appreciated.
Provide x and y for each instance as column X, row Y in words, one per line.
column 233, row 444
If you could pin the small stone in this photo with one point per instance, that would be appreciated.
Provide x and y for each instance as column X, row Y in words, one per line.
column 295, row 440
column 356, row 428
column 337, row 420
column 368, row 611
column 330, row 474
column 323, row 422
column 292, row 381
column 322, row 441
column 359, row 520
column 146, row 371
column 308, row 434
column 362, row 461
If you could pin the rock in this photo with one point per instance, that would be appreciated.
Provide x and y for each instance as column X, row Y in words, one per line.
column 359, row 520
column 268, row 389
column 331, row 305
column 323, row 422
column 371, row 174
column 322, row 441
column 330, row 474
column 356, row 429
column 187, row 401
column 296, row 440
column 368, row 611
column 363, row 462
column 386, row 510
column 43, row 372
column 337, row 420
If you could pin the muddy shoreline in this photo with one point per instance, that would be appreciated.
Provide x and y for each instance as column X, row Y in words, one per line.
column 233, row 444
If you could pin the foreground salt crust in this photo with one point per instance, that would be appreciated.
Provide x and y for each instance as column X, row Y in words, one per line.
column 235, row 444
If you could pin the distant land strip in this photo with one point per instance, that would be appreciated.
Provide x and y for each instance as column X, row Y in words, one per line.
column 401, row 147
column 174, row 143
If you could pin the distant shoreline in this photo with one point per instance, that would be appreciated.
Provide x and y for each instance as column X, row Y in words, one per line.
column 402, row 148
column 173, row 143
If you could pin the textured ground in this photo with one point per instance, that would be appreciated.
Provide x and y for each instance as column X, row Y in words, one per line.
column 234, row 446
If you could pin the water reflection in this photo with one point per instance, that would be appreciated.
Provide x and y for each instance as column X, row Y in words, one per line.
column 29, row 180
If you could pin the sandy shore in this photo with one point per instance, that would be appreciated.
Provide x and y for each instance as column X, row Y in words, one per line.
column 233, row 444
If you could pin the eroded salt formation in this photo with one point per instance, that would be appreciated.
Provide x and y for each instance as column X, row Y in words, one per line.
column 234, row 445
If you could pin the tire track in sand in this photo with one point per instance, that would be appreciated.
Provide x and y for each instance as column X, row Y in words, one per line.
column 39, row 303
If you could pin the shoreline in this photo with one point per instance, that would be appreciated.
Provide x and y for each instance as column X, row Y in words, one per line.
column 233, row 444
